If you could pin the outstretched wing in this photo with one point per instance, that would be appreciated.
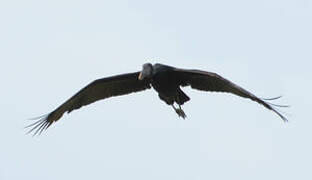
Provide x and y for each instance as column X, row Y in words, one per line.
column 97, row 90
column 208, row 81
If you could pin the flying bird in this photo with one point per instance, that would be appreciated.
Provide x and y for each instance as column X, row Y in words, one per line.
column 166, row 80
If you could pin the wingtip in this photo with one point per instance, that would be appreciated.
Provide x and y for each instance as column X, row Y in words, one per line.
column 38, row 126
column 276, row 110
column 274, row 98
column 285, row 120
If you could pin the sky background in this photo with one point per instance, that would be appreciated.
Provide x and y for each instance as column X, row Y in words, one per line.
column 51, row 49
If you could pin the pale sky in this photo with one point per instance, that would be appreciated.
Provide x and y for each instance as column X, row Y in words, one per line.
column 50, row 50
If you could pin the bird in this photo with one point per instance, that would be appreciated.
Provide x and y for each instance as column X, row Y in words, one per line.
column 166, row 80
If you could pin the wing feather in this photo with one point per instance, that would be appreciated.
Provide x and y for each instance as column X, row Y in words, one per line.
column 208, row 81
column 95, row 91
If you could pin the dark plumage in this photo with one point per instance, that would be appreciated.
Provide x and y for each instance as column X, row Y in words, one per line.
column 166, row 80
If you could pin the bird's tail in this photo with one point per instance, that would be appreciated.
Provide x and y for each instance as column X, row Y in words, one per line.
column 182, row 97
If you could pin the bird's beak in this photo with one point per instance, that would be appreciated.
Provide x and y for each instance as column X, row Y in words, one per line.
column 140, row 76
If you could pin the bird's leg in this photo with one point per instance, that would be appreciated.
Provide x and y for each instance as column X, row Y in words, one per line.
column 179, row 111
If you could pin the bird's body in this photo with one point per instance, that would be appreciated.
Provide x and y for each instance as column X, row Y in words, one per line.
column 166, row 80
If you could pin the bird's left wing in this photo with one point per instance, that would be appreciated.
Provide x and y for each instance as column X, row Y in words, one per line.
column 96, row 90
column 208, row 81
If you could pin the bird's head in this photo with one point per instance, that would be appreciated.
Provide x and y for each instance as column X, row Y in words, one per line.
column 147, row 71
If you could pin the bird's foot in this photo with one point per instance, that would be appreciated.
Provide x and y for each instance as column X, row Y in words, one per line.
column 181, row 113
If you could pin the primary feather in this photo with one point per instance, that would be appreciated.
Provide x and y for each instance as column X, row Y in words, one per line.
column 95, row 91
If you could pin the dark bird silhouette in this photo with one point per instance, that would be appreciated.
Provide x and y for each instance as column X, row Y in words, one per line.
column 166, row 80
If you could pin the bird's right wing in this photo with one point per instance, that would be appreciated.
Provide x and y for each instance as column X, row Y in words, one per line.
column 208, row 81
column 97, row 90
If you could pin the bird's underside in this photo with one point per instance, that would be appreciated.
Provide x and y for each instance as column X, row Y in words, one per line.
column 166, row 80
column 179, row 98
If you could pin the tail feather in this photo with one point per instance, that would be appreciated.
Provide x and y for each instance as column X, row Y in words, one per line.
column 182, row 97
